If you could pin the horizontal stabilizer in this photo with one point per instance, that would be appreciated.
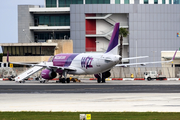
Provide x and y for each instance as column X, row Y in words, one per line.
column 145, row 63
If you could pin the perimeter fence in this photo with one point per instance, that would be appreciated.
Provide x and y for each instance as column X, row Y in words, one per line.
column 116, row 72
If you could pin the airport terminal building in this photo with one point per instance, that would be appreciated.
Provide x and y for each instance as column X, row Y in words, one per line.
column 153, row 25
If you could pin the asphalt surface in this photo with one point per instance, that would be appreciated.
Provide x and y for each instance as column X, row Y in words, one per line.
column 112, row 96
column 92, row 87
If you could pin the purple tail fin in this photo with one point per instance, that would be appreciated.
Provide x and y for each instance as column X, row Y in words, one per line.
column 114, row 40
column 7, row 56
column 174, row 55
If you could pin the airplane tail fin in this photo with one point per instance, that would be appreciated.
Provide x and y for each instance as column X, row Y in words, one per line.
column 113, row 44
column 174, row 56
column 7, row 56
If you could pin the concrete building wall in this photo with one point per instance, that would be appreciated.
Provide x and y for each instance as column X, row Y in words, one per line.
column 154, row 27
column 77, row 20
column 25, row 19
column 64, row 46
column 26, row 59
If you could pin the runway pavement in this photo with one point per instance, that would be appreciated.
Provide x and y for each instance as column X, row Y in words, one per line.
column 99, row 102
column 136, row 96
column 91, row 87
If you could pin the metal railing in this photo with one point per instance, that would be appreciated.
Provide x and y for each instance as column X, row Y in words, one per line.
column 111, row 20
column 50, row 24
column 98, row 15
column 54, row 5
column 100, row 32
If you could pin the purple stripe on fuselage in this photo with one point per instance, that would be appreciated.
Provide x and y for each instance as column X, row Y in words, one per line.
column 70, row 59
column 64, row 60
column 114, row 38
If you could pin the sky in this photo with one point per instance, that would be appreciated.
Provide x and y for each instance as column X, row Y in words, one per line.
column 9, row 19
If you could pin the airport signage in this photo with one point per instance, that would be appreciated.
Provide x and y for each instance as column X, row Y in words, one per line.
column 178, row 34
column 85, row 116
column 11, row 65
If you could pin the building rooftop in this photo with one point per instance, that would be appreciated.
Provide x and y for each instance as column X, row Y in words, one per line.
column 28, row 44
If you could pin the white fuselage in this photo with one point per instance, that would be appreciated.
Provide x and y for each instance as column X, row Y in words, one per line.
column 91, row 63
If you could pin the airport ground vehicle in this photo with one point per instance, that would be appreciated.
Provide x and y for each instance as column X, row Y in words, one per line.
column 74, row 79
column 150, row 75
column 62, row 80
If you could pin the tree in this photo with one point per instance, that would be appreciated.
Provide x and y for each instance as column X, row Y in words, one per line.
column 123, row 32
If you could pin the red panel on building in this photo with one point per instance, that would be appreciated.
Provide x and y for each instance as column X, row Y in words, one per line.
column 90, row 26
column 90, row 15
column 90, row 44
column 90, row 29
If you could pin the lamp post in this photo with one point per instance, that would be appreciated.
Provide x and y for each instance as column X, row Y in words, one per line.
column 154, row 56
column 136, row 56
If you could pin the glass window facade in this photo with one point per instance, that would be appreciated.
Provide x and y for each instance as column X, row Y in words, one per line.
column 176, row 1
column 47, row 51
column 145, row 1
column 155, row 1
column 66, row 3
column 51, row 3
column 163, row 1
column 28, row 50
column 170, row 1
column 97, row 1
column 126, row 1
column 43, row 36
column 52, row 20
column 117, row 1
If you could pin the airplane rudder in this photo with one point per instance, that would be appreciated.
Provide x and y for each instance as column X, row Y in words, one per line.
column 114, row 38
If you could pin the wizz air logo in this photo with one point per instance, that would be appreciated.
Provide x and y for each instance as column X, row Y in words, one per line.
column 86, row 62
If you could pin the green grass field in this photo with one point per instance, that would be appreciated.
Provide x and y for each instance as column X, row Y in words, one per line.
column 94, row 115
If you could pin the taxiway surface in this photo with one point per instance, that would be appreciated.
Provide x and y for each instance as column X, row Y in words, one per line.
column 113, row 96
column 91, row 87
